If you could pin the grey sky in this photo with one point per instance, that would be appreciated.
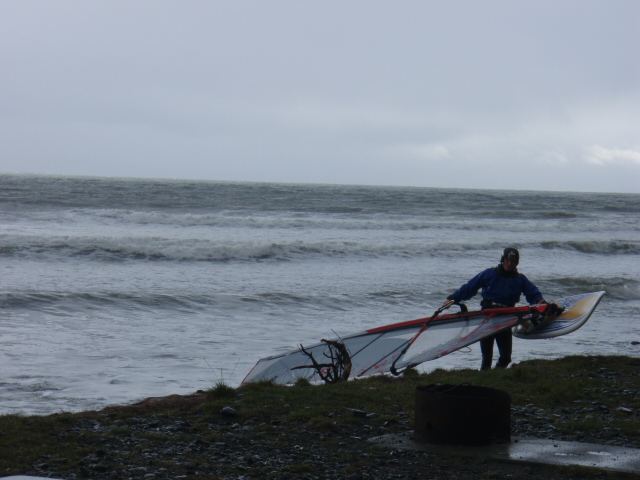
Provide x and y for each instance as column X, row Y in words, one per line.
column 487, row 94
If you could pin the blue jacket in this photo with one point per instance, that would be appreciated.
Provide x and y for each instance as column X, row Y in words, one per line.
column 499, row 287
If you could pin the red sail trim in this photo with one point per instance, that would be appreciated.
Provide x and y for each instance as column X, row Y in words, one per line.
column 489, row 312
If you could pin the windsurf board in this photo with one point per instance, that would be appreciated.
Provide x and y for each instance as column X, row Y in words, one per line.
column 577, row 310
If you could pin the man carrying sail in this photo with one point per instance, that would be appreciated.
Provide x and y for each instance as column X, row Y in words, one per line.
column 501, row 287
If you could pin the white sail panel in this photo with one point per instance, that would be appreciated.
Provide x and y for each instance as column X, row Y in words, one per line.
column 370, row 354
column 442, row 338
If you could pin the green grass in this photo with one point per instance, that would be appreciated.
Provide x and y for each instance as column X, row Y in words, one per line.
column 222, row 390
column 546, row 384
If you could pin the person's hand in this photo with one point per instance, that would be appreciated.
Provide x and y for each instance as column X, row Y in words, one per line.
column 553, row 310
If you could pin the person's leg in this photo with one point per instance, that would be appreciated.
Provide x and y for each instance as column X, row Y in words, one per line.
column 504, row 341
column 486, row 347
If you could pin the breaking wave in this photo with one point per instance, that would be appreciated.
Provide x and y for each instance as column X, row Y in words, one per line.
column 616, row 287
column 253, row 220
column 63, row 302
column 52, row 301
column 201, row 250
column 152, row 249
column 118, row 249
column 604, row 247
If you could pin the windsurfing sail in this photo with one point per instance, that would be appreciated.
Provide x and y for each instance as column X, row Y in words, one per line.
column 390, row 348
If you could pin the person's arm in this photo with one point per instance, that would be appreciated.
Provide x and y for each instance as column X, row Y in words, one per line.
column 531, row 292
column 469, row 289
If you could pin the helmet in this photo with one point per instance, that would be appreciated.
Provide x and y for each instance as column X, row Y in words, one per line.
column 510, row 254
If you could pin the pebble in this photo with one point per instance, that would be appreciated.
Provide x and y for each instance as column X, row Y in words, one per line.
column 228, row 412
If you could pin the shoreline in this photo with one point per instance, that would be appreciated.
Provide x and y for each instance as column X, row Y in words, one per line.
column 317, row 432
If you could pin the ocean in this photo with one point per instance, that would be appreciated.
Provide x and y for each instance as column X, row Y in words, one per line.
column 114, row 290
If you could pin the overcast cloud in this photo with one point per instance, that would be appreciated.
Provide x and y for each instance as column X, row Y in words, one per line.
column 485, row 94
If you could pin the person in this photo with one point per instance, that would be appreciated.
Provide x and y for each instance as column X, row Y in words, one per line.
column 501, row 287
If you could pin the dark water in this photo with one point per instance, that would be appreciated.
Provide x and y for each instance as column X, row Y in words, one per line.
column 114, row 290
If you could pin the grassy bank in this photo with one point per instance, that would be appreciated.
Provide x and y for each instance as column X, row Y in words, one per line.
column 267, row 431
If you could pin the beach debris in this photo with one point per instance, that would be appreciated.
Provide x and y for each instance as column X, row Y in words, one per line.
column 339, row 367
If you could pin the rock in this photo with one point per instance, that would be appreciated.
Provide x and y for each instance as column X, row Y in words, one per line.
column 361, row 413
column 228, row 412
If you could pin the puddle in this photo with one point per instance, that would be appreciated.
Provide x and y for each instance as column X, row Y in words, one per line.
column 532, row 450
